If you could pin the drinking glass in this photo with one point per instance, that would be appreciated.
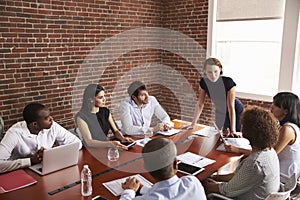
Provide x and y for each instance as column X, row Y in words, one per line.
column 113, row 154
column 149, row 133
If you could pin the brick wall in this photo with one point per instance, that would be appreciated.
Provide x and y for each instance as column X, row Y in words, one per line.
column 50, row 50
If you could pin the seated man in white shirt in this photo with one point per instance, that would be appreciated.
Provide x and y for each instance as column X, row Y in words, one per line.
column 136, row 112
column 160, row 161
column 24, row 142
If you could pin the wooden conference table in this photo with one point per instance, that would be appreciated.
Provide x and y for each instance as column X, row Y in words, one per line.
column 65, row 184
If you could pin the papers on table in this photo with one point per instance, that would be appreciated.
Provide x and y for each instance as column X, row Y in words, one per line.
column 115, row 186
column 169, row 132
column 206, row 132
column 194, row 159
column 143, row 141
column 237, row 142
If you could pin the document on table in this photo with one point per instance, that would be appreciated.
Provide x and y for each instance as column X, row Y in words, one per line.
column 143, row 141
column 206, row 132
column 194, row 159
column 115, row 186
column 237, row 142
column 169, row 132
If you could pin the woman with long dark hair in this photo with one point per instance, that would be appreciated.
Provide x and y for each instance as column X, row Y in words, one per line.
column 286, row 108
column 94, row 120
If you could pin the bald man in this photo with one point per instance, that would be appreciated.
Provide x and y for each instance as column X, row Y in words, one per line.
column 159, row 156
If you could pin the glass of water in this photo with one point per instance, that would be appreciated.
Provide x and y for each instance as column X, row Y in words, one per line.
column 149, row 133
column 113, row 154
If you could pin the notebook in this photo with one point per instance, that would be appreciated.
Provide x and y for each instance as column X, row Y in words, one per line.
column 115, row 186
column 237, row 142
column 169, row 132
column 15, row 180
column 57, row 158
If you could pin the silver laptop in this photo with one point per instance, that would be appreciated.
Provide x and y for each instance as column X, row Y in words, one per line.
column 57, row 158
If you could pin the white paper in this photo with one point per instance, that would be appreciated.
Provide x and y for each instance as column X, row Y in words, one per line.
column 169, row 132
column 237, row 142
column 142, row 142
column 206, row 132
column 194, row 159
column 115, row 186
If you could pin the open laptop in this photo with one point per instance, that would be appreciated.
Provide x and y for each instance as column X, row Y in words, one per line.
column 57, row 158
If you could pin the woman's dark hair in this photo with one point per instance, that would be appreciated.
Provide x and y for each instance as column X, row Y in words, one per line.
column 89, row 94
column 213, row 61
column 290, row 102
column 30, row 112
column 259, row 127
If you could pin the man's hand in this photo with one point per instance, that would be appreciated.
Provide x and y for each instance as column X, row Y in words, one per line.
column 161, row 127
column 37, row 157
column 167, row 127
column 131, row 183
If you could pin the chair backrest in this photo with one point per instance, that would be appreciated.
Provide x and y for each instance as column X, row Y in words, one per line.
column 290, row 183
column 286, row 188
column 1, row 128
column 217, row 196
column 278, row 196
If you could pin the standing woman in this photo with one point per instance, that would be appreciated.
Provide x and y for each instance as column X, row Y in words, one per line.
column 286, row 108
column 94, row 120
column 221, row 90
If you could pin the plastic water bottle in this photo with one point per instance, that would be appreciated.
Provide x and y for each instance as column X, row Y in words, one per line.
column 86, row 181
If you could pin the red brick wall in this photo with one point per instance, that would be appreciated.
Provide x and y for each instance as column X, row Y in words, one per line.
column 50, row 50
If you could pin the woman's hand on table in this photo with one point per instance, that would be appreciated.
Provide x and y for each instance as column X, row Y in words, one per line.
column 118, row 145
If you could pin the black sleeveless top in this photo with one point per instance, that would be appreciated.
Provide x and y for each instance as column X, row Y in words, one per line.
column 98, row 123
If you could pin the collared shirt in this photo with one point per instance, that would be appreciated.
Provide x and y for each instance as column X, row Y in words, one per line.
column 186, row 187
column 257, row 176
column 136, row 120
column 18, row 144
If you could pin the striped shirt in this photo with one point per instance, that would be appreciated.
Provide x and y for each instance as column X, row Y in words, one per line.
column 136, row 120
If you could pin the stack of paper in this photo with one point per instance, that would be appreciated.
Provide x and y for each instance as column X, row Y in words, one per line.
column 169, row 132
column 194, row 159
column 143, row 141
column 237, row 142
column 115, row 186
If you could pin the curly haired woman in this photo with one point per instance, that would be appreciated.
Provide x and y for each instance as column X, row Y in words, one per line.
column 258, row 174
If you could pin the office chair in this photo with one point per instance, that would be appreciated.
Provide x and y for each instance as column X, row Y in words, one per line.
column 287, row 185
column 217, row 196
column 1, row 128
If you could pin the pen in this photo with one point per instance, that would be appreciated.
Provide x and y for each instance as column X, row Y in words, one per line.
column 198, row 160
